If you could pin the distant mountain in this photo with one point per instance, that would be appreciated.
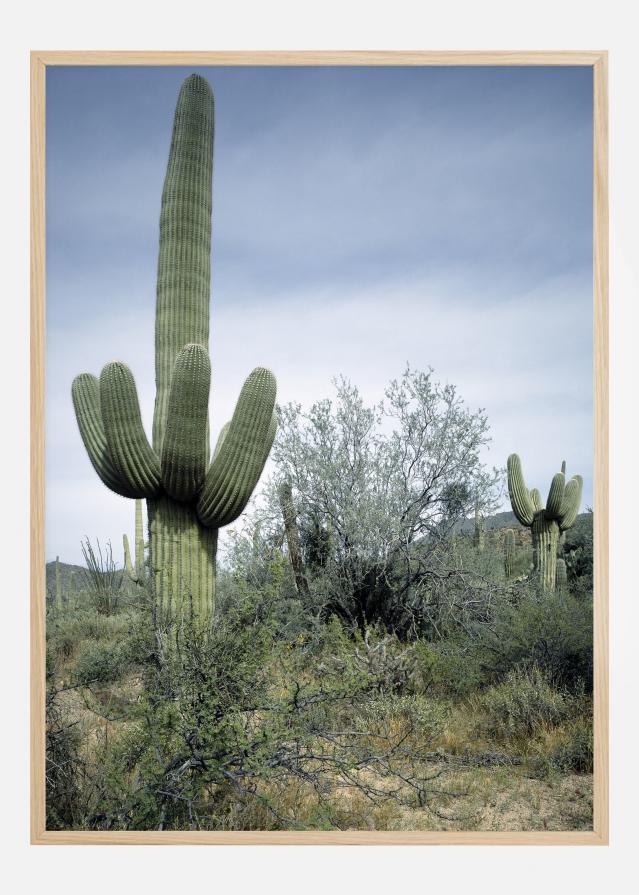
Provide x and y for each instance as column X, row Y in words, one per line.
column 71, row 577
column 506, row 519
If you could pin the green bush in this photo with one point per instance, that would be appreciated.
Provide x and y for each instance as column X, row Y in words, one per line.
column 538, row 628
column 449, row 667
column 383, row 714
column 576, row 754
column 100, row 663
column 522, row 704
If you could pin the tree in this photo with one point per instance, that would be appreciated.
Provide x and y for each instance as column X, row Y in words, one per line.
column 383, row 487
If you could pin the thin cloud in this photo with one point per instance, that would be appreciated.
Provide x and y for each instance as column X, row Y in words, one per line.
column 361, row 221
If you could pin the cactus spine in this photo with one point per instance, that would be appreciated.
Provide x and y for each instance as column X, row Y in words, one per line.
column 292, row 537
column 509, row 553
column 546, row 523
column 188, row 497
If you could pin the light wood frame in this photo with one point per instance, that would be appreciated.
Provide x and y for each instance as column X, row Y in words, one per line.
column 598, row 60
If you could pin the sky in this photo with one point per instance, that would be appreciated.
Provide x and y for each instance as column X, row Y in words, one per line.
column 363, row 219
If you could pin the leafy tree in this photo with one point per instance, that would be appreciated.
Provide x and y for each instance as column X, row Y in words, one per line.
column 378, row 491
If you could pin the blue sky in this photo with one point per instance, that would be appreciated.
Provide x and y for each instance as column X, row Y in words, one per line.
column 362, row 218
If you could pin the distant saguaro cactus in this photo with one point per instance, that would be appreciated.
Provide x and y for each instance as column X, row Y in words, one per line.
column 128, row 565
column 509, row 553
column 292, row 537
column 562, row 576
column 188, row 497
column 139, row 542
column 479, row 534
column 546, row 523
column 58, row 584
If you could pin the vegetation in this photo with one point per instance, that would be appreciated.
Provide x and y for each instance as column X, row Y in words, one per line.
column 366, row 667
column 287, row 718
column 380, row 653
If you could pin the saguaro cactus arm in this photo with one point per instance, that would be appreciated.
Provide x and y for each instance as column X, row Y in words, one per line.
column 240, row 458
column 556, row 496
column 535, row 496
column 85, row 392
column 571, row 502
column 520, row 498
column 132, row 454
column 184, row 450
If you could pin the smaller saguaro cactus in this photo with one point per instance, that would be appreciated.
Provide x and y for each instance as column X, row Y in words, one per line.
column 292, row 536
column 546, row 523
column 139, row 541
column 479, row 535
column 509, row 553
column 136, row 572
column 58, row 584
column 562, row 576
column 131, row 572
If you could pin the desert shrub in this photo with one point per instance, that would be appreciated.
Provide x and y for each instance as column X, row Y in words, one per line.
column 537, row 628
column 62, row 641
column 524, row 702
column 575, row 755
column 422, row 718
column 578, row 554
column 100, row 663
column 65, row 770
column 448, row 667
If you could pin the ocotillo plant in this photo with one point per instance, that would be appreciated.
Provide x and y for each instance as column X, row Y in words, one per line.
column 292, row 536
column 188, row 497
column 479, row 533
column 509, row 553
column 546, row 523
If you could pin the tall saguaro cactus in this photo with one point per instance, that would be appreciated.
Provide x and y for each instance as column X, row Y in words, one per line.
column 188, row 497
column 546, row 523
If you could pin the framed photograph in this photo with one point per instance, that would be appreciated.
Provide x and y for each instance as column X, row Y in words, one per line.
column 319, row 463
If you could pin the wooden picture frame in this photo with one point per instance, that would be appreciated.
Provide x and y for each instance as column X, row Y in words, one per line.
column 40, row 60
